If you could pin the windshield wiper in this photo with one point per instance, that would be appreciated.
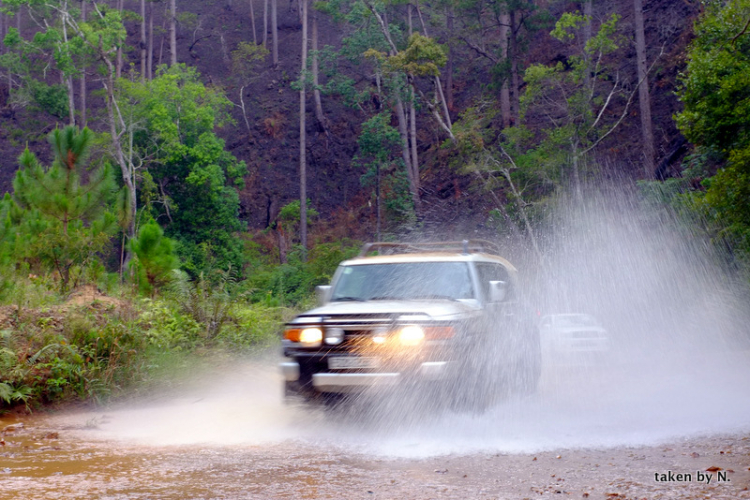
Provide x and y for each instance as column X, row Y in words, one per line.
column 385, row 297
column 345, row 299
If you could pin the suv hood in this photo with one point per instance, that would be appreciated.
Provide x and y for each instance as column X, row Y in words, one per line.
column 435, row 308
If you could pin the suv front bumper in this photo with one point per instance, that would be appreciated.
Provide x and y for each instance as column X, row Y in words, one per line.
column 343, row 382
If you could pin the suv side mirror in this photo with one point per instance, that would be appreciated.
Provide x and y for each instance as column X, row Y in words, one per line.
column 498, row 291
column 323, row 292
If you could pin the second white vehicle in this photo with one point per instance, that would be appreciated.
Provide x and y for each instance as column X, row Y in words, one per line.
column 572, row 338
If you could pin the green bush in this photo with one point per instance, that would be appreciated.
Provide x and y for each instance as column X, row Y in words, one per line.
column 293, row 283
column 67, row 353
column 50, row 98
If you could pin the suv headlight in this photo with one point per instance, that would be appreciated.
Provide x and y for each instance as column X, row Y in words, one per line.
column 411, row 335
column 309, row 336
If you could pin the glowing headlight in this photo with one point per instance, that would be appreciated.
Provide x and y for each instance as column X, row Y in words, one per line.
column 311, row 335
column 411, row 335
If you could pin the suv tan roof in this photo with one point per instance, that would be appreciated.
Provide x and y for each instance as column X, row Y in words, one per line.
column 455, row 251
column 465, row 246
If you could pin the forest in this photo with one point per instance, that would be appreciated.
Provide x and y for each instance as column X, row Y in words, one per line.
column 178, row 176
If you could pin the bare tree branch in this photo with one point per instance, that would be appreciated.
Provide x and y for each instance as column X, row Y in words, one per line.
column 479, row 50
column 627, row 106
column 744, row 30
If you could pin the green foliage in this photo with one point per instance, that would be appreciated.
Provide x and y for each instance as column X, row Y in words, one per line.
column 72, row 353
column 12, row 395
column 55, row 352
column 714, row 88
column 254, row 327
column 187, row 20
column 716, row 96
column 422, row 56
column 63, row 42
column 379, row 153
column 246, row 58
column 209, row 300
column 573, row 98
column 168, row 328
column 23, row 60
column 195, row 178
column 530, row 16
column 378, row 141
column 293, row 283
column 50, row 98
column 155, row 258
column 60, row 221
column 289, row 215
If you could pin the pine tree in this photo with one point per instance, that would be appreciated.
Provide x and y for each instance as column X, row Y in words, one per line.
column 65, row 207
column 155, row 257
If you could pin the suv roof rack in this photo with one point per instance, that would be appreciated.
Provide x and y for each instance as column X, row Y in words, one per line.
column 465, row 246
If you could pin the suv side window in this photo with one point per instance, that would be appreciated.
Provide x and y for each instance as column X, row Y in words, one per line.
column 492, row 272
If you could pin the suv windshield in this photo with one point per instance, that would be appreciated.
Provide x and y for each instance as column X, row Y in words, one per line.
column 575, row 320
column 413, row 280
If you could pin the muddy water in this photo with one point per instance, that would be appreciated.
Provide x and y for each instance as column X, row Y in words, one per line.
column 602, row 431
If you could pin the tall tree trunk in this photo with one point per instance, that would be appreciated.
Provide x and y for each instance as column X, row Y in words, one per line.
column 505, row 89
column 252, row 21
column 144, row 42
column 274, row 34
column 449, row 63
column 244, row 112
column 282, row 243
column 403, row 122
column 413, row 134
column 67, row 80
column 265, row 23
column 644, row 97
column 116, row 127
column 587, row 30
column 150, row 61
column 303, row 137
column 119, row 49
column 409, row 19
column 126, row 166
column 412, row 110
column 316, row 82
column 71, row 99
column 3, row 30
column 445, row 120
column 403, row 130
column 172, row 32
column 82, row 80
column 576, row 158
column 588, row 11
column 515, row 80
column 377, row 201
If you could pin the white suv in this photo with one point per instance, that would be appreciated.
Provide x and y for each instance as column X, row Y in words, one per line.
column 443, row 314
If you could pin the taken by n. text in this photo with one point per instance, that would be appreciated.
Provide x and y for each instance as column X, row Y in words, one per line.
column 701, row 477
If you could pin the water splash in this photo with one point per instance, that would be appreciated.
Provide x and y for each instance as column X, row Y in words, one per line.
column 679, row 365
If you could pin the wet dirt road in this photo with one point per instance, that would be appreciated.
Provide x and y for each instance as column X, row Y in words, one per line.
column 226, row 438
column 35, row 464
